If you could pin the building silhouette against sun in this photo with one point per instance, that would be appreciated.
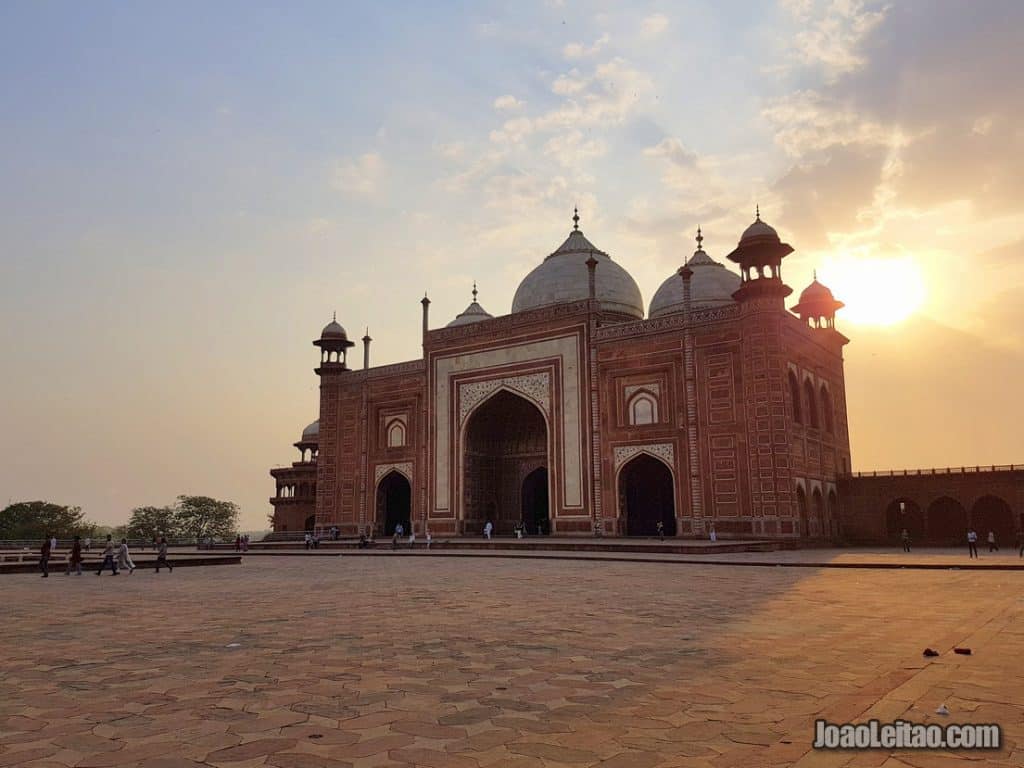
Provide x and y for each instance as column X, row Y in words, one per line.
column 574, row 414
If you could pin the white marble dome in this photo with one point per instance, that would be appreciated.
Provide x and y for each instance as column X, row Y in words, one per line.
column 712, row 285
column 563, row 277
column 474, row 313
column 311, row 434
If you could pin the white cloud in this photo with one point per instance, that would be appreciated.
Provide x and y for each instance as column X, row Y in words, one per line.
column 674, row 151
column 361, row 176
column 832, row 33
column 806, row 121
column 508, row 103
column 571, row 149
column 654, row 25
column 581, row 51
column 569, row 83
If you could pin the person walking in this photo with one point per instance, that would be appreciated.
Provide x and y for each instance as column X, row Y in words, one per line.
column 488, row 528
column 124, row 559
column 430, row 539
column 714, row 534
column 992, row 546
column 412, row 537
column 905, row 539
column 53, row 544
column 108, row 557
column 88, row 544
column 75, row 558
column 44, row 556
column 972, row 543
column 161, row 555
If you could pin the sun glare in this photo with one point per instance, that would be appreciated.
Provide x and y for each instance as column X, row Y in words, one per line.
column 875, row 291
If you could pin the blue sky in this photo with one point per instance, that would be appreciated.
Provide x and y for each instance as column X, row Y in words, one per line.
column 187, row 191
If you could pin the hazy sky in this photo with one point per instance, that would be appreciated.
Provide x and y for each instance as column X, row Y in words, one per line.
column 188, row 190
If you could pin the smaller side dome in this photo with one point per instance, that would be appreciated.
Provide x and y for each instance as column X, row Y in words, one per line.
column 711, row 285
column 474, row 313
column 311, row 434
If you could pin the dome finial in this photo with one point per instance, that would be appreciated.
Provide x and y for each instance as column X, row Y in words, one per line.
column 474, row 291
column 700, row 239
column 575, row 219
column 757, row 212
column 815, row 275
column 334, row 316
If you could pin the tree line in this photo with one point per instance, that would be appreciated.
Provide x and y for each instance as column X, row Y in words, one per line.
column 192, row 517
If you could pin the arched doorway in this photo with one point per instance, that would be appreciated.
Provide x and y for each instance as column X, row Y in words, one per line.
column 946, row 522
column 310, row 523
column 535, row 502
column 505, row 436
column 394, row 503
column 991, row 513
column 908, row 516
column 818, row 508
column 646, row 496
column 801, row 510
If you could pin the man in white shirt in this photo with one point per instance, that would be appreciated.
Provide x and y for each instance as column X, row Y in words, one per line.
column 488, row 528
column 972, row 543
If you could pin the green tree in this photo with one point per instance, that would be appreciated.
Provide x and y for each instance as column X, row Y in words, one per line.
column 201, row 516
column 35, row 519
column 146, row 522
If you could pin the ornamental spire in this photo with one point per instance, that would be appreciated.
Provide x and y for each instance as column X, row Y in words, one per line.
column 575, row 219
column 474, row 291
column 700, row 239
column 757, row 212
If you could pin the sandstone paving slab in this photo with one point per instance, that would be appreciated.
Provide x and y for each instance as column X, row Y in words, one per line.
column 521, row 663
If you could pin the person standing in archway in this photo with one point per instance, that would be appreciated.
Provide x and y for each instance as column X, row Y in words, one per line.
column 75, row 558
column 992, row 546
column 488, row 527
column 44, row 556
column 661, row 530
column 972, row 543
column 905, row 538
column 714, row 534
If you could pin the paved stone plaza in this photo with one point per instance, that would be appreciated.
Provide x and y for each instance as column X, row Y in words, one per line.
column 434, row 661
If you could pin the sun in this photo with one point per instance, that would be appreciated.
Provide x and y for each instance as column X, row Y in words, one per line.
column 876, row 291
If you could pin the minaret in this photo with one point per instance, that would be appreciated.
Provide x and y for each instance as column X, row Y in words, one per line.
column 426, row 315
column 696, row 486
column 366, row 349
column 771, row 504
column 334, row 345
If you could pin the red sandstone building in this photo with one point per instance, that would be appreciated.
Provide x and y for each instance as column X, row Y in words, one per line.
column 575, row 414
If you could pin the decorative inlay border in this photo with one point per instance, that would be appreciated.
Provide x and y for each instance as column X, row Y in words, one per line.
column 403, row 467
column 535, row 386
column 624, row 453
column 654, row 388
column 669, row 322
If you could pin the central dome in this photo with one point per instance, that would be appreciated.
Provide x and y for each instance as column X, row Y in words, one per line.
column 563, row 277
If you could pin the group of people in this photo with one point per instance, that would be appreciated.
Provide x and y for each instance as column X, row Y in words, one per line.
column 972, row 542
column 242, row 542
column 115, row 555
column 398, row 535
